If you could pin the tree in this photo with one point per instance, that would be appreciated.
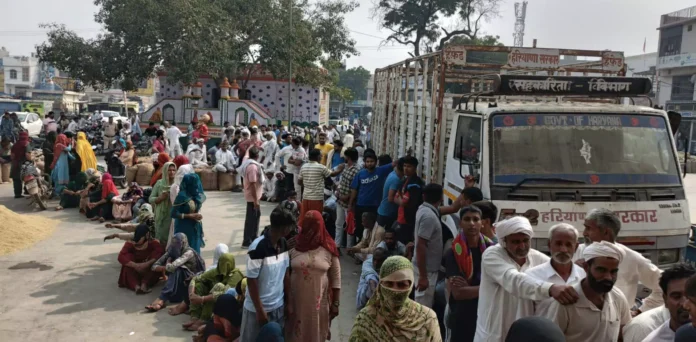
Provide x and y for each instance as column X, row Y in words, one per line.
column 187, row 38
column 355, row 80
column 487, row 40
column 417, row 22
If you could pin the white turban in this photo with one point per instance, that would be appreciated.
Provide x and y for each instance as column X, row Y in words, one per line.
column 513, row 225
column 602, row 249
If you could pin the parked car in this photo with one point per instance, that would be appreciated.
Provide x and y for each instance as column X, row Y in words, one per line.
column 31, row 122
column 116, row 115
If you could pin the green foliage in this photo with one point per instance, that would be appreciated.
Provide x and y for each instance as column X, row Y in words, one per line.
column 487, row 40
column 355, row 80
column 418, row 22
column 187, row 38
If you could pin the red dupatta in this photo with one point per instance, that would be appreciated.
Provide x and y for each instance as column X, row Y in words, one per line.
column 314, row 234
column 62, row 142
column 108, row 186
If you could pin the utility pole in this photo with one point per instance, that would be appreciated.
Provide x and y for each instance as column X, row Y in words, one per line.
column 290, row 3
column 520, row 16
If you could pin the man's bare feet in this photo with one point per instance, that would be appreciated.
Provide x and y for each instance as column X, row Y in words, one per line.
column 157, row 305
column 189, row 323
column 59, row 208
column 179, row 309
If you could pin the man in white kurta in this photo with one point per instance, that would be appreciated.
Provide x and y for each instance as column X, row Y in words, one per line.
column 506, row 292
column 196, row 154
column 173, row 134
column 225, row 160
column 642, row 325
column 604, row 225
column 560, row 269
column 674, row 286
column 590, row 320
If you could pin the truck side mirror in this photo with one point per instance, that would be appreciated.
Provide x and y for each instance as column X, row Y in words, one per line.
column 675, row 119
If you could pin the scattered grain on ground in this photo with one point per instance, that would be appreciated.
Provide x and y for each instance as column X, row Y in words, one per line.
column 22, row 231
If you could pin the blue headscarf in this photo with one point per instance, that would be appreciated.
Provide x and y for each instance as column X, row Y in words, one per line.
column 190, row 189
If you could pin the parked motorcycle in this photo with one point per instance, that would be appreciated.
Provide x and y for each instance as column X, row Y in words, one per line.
column 37, row 187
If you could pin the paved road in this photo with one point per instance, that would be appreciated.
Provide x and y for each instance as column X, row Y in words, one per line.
column 76, row 298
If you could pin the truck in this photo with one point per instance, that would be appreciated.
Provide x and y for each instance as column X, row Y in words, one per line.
column 542, row 138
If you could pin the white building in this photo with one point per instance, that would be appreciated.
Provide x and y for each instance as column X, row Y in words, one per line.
column 676, row 62
column 21, row 74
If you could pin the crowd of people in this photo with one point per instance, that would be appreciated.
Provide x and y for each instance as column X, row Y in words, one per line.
column 338, row 201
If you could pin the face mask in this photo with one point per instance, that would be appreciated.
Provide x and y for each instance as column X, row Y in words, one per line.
column 394, row 299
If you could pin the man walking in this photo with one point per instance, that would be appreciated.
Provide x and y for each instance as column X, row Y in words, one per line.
column 252, row 172
column 110, row 131
column 343, row 194
column 173, row 134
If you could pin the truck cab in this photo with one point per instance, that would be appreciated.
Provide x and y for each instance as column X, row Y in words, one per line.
column 553, row 162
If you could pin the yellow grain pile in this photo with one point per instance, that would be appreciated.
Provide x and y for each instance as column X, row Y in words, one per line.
column 21, row 231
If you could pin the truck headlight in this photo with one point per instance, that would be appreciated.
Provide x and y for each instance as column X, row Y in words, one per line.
column 668, row 256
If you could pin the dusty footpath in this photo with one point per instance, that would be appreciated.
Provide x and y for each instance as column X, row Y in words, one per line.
column 65, row 288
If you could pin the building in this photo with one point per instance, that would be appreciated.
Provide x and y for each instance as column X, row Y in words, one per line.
column 21, row 74
column 676, row 62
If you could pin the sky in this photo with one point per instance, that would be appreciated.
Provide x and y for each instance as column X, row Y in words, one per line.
column 619, row 25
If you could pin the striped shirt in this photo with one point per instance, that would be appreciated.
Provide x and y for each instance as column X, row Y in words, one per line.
column 268, row 266
column 312, row 175
column 344, row 185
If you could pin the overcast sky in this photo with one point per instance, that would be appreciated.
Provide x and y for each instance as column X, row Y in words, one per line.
column 620, row 25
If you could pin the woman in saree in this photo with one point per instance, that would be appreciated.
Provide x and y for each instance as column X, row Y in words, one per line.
column 146, row 216
column 84, row 149
column 220, row 249
column 186, row 210
column 61, row 164
column 315, row 282
column 226, row 322
column 158, row 145
column 181, row 171
column 181, row 160
column 47, row 148
column 162, row 159
column 181, row 263
column 390, row 315
column 123, row 204
column 19, row 154
column 204, row 290
column 104, row 205
column 159, row 198
column 127, row 156
column 136, row 258
column 92, row 184
column 70, row 197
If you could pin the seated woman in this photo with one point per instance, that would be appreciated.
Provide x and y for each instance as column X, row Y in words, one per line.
column 128, row 155
column 226, row 322
column 181, row 263
column 205, row 288
column 123, row 204
column 60, row 174
column 102, row 209
column 220, row 249
column 146, row 216
column 70, row 197
column 136, row 259
column 89, row 190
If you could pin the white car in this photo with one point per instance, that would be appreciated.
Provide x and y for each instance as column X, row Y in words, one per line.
column 31, row 122
column 116, row 115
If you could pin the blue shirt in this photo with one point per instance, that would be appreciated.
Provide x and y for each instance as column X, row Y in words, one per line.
column 386, row 208
column 370, row 185
column 268, row 266
column 336, row 159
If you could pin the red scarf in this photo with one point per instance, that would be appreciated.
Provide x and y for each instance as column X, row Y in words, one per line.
column 62, row 142
column 314, row 234
column 19, row 149
column 463, row 255
column 162, row 159
column 108, row 186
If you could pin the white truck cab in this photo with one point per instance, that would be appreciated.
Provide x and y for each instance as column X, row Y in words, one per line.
column 544, row 140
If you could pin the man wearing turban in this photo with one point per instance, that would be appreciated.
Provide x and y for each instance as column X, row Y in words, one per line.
column 506, row 292
column 601, row 310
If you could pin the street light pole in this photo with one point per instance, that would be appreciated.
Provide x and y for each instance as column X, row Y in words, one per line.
column 290, row 3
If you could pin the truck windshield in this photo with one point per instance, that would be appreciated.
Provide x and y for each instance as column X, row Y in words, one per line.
column 598, row 149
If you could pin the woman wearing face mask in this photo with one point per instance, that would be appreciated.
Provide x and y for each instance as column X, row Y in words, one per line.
column 463, row 271
column 390, row 315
